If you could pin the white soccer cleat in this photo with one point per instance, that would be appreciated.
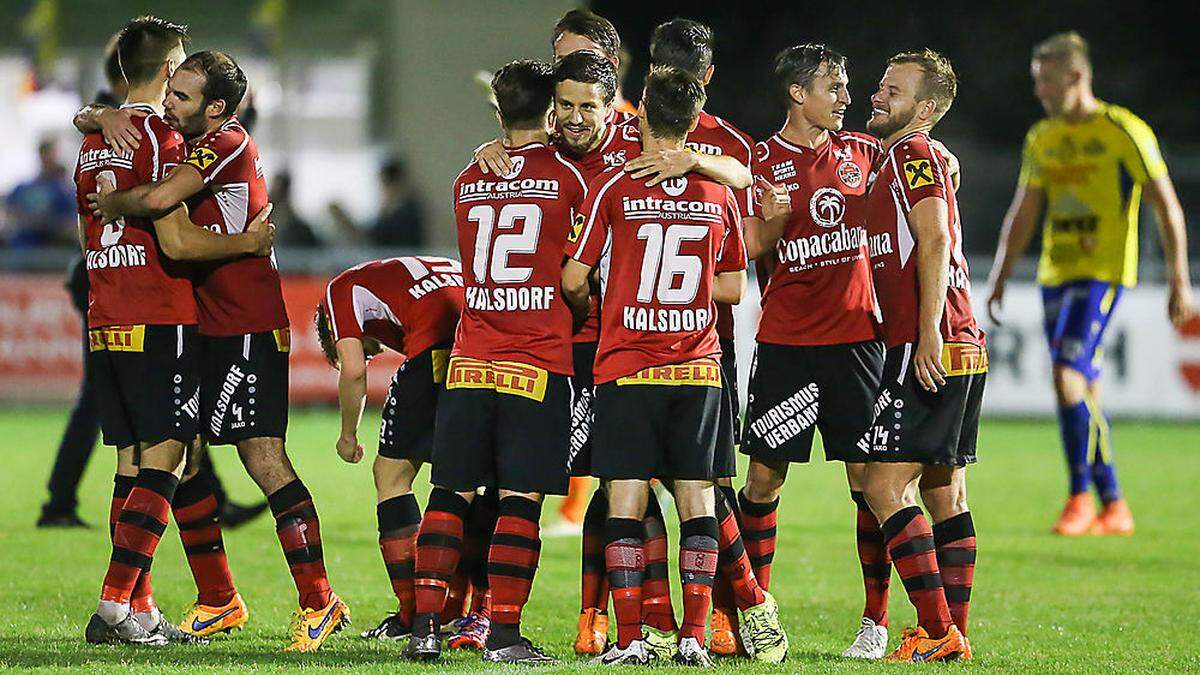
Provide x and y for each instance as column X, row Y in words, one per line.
column 634, row 654
column 870, row 642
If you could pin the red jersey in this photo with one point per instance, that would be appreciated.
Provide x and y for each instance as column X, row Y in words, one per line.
column 132, row 281
column 820, row 291
column 409, row 304
column 621, row 143
column 715, row 136
column 238, row 296
column 511, row 235
column 908, row 173
column 658, row 249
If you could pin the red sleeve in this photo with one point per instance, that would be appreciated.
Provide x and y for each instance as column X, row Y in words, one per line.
column 585, row 242
column 758, row 169
column 81, row 206
column 918, row 171
column 160, row 152
column 732, row 255
column 339, row 299
column 217, row 153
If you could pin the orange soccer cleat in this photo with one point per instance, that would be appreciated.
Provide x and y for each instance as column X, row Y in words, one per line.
column 916, row 646
column 1077, row 516
column 1115, row 518
column 593, row 633
column 725, row 640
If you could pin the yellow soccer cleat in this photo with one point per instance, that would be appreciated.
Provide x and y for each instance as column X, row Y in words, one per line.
column 661, row 645
column 916, row 646
column 592, row 637
column 206, row 620
column 311, row 627
column 762, row 632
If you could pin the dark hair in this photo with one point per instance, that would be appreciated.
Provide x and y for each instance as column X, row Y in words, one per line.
column 673, row 99
column 591, row 26
column 112, row 63
column 325, row 333
column 223, row 78
column 938, row 83
column 802, row 63
column 589, row 68
column 683, row 44
column 143, row 45
column 524, row 91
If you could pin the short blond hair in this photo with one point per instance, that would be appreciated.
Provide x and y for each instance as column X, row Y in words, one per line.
column 1068, row 47
column 939, row 82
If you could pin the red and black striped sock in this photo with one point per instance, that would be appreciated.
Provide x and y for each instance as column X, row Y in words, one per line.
column 910, row 543
column 299, row 533
column 139, row 527
column 657, row 611
column 955, row 542
column 439, row 546
column 697, row 567
column 758, row 535
column 198, row 517
column 398, row 519
column 592, row 557
column 512, row 563
column 141, row 601
column 142, row 597
column 624, row 558
column 478, row 526
column 735, row 573
column 873, row 556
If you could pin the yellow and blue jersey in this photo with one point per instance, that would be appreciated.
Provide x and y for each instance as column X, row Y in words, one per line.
column 1092, row 173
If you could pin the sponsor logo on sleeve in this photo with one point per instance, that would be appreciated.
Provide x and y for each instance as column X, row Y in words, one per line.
column 576, row 228
column 918, row 173
column 201, row 158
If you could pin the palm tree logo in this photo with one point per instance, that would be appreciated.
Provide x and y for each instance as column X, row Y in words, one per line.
column 827, row 207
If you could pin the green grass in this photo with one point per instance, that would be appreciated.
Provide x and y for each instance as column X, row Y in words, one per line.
column 1040, row 603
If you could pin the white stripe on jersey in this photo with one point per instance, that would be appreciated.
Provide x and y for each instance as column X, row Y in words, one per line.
column 579, row 176
column 154, row 151
column 587, row 230
column 230, row 158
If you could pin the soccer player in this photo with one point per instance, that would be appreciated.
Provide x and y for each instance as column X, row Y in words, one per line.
column 142, row 332
column 581, row 29
column 927, row 414
column 411, row 306
column 244, row 373
column 504, row 419
column 1085, row 166
column 657, row 368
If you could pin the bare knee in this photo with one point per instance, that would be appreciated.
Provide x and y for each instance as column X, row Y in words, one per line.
column 694, row 499
column 627, row 499
column 1070, row 385
column 267, row 463
column 393, row 477
column 764, row 481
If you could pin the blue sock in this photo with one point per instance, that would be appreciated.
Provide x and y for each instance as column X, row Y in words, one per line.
column 1104, row 473
column 1075, row 423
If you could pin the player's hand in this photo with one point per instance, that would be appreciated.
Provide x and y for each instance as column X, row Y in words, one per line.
column 661, row 165
column 927, row 362
column 952, row 166
column 995, row 301
column 1179, row 304
column 774, row 200
column 262, row 232
column 99, row 202
column 349, row 449
column 116, row 125
column 492, row 158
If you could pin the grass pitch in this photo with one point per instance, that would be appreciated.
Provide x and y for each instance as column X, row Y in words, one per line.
column 1040, row 603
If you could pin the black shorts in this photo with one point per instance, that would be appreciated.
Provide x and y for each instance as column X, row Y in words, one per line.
column 406, row 430
column 583, row 391
column 914, row 425
column 244, row 386
column 505, row 424
column 725, row 454
column 796, row 390
column 645, row 429
column 147, row 382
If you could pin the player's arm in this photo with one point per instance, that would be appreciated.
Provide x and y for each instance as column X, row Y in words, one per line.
column 352, row 396
column 1020, row 223
column 150, row 200
column 181, row 239
column 81, row 226
column 115, row 124
column 728, row 287
column 763, row 233
column 492, row 158
column 665, row 164
column 1160, row 192
column 576, row 288
column 929, row 221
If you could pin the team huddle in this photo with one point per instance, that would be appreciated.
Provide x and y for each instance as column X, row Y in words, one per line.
column 585, row 330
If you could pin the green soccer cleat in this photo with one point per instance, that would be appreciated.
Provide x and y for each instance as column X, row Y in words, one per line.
column 661, row 645
column 762, row 633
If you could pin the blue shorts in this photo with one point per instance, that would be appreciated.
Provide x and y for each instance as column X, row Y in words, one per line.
column 1076, row 314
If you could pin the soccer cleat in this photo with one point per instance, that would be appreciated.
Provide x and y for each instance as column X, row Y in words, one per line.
column 63, row 519
column 1115, row 518
column 206, row 620
column 724, row 626
column 762, row 632
column 127, row 632
column 472, row 631
column 391, row 628
column 635, row 653
column 311, row 627
column 692, row 653
column 869, row 643
column 235, row 515
column 592, row 638
column 523, row 652
column 966, row 653
column 661, row 645
column 425, row 648
column 916, row 646
column 175, row 635
column 1077, row 516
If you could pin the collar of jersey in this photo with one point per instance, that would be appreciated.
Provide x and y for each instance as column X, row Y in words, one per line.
column 799, row 148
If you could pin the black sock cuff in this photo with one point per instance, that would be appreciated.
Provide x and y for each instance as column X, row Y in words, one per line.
column 441, row 499
column 754, row 509
column 723, row 507
column 398, row 513
column 616, row 529
column 899, row 521
column 653, row 508
column 288, row 496
column 704, row 526
column 191, row 491
column 122, row 485
column 597, row 510
column 162, row 483
column 860, row 500
column 953, row 529
column 520, row 507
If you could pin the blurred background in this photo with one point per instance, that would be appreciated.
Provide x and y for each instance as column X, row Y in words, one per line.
column 364, row 111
